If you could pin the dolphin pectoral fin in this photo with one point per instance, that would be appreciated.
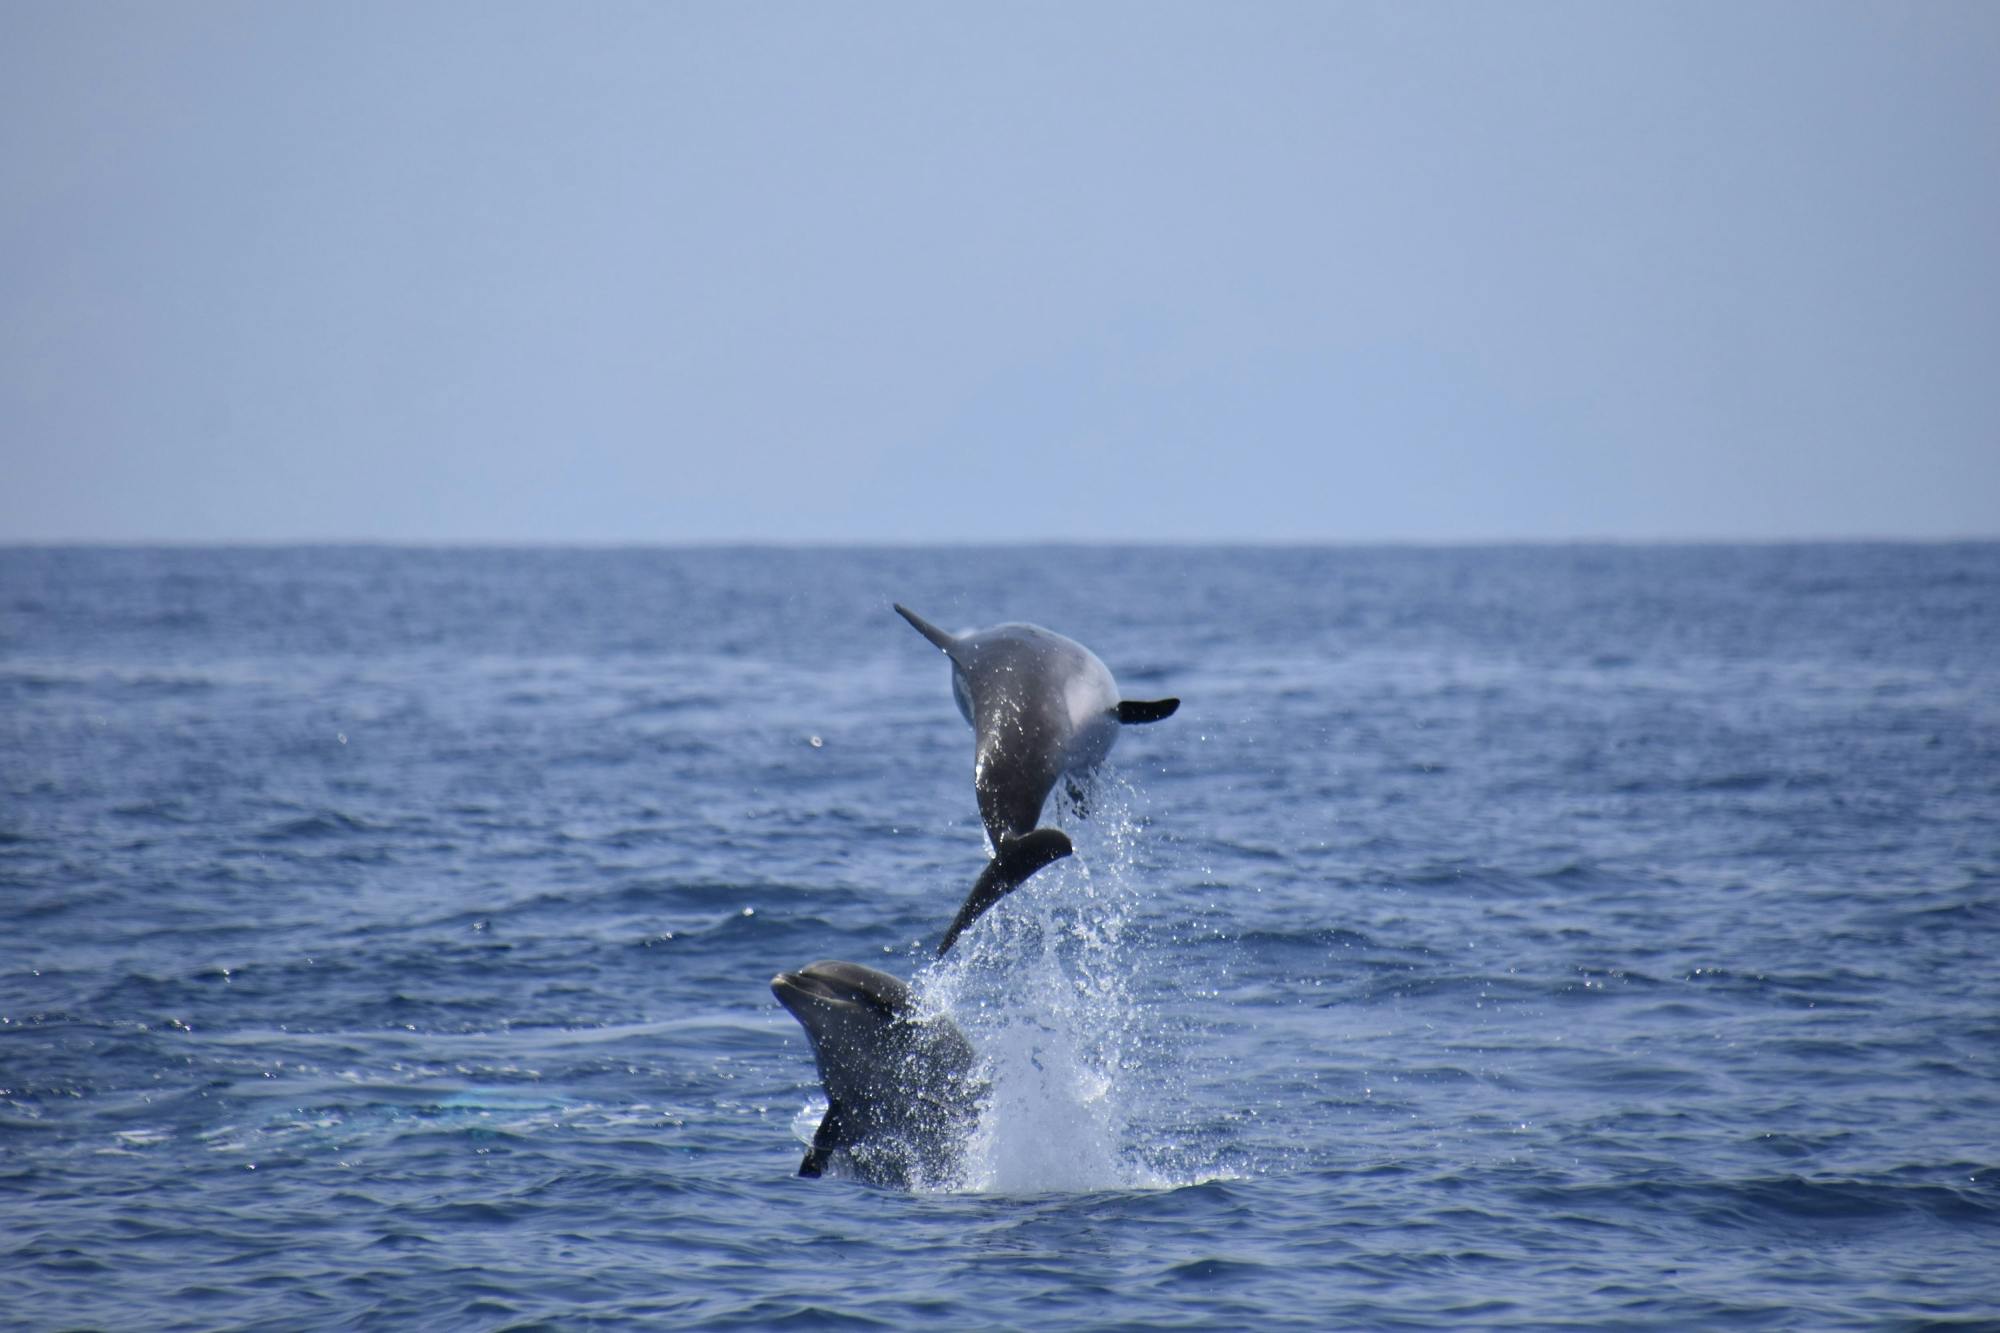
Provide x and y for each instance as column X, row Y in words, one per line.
column 831, row 1134
column 945, row 642
column 1018, row 858
column 1133, row 711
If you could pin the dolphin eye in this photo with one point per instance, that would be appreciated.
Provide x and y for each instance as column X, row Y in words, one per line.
column 891, row 1008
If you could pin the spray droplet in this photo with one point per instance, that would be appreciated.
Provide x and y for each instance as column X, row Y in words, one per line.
column 340, row 736
column 815, row 742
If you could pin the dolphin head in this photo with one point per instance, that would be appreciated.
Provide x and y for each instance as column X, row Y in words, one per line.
column 853, row 1016
column 899, row 1086
column 830, row 996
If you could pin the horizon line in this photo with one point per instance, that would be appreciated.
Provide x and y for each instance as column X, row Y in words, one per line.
column 902, row 544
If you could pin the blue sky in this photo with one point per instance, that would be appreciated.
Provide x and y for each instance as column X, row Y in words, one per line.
column 919, row 272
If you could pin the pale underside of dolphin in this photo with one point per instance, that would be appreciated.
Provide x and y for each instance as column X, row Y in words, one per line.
column 1041, row 707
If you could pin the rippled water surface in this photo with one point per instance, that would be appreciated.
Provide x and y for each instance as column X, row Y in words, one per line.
column 1520, row 937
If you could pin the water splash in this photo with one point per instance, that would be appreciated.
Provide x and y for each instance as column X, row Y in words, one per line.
column 1044, row 989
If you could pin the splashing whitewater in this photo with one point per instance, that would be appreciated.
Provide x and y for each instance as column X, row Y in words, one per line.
column 1044, row 989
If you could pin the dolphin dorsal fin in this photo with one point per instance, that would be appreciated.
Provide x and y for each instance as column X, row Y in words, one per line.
column 945, row 642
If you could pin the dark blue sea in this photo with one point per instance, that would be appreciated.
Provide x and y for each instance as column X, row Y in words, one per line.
column 1528, row 937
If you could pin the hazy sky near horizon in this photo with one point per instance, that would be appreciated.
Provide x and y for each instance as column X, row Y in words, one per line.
column 918, row 272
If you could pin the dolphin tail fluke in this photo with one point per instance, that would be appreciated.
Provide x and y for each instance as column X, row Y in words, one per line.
column 1019, row 858
column 1144, row 710
column 945, row 642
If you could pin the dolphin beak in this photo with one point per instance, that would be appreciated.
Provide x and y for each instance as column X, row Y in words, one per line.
column 796, row 991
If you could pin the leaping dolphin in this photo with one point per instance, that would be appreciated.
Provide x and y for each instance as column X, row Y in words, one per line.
column 1041, row 706
column 900, row 1092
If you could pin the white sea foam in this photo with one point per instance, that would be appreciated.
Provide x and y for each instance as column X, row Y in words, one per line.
column 1043, row 988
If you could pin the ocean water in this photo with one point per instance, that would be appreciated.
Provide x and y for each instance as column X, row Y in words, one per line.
column 1518, row 937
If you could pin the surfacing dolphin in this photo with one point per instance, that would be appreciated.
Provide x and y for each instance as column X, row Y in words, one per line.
column 901, row 1097
column 1041, row 706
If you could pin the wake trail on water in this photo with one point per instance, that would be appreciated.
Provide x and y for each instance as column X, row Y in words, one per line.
column 1079, row 1070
